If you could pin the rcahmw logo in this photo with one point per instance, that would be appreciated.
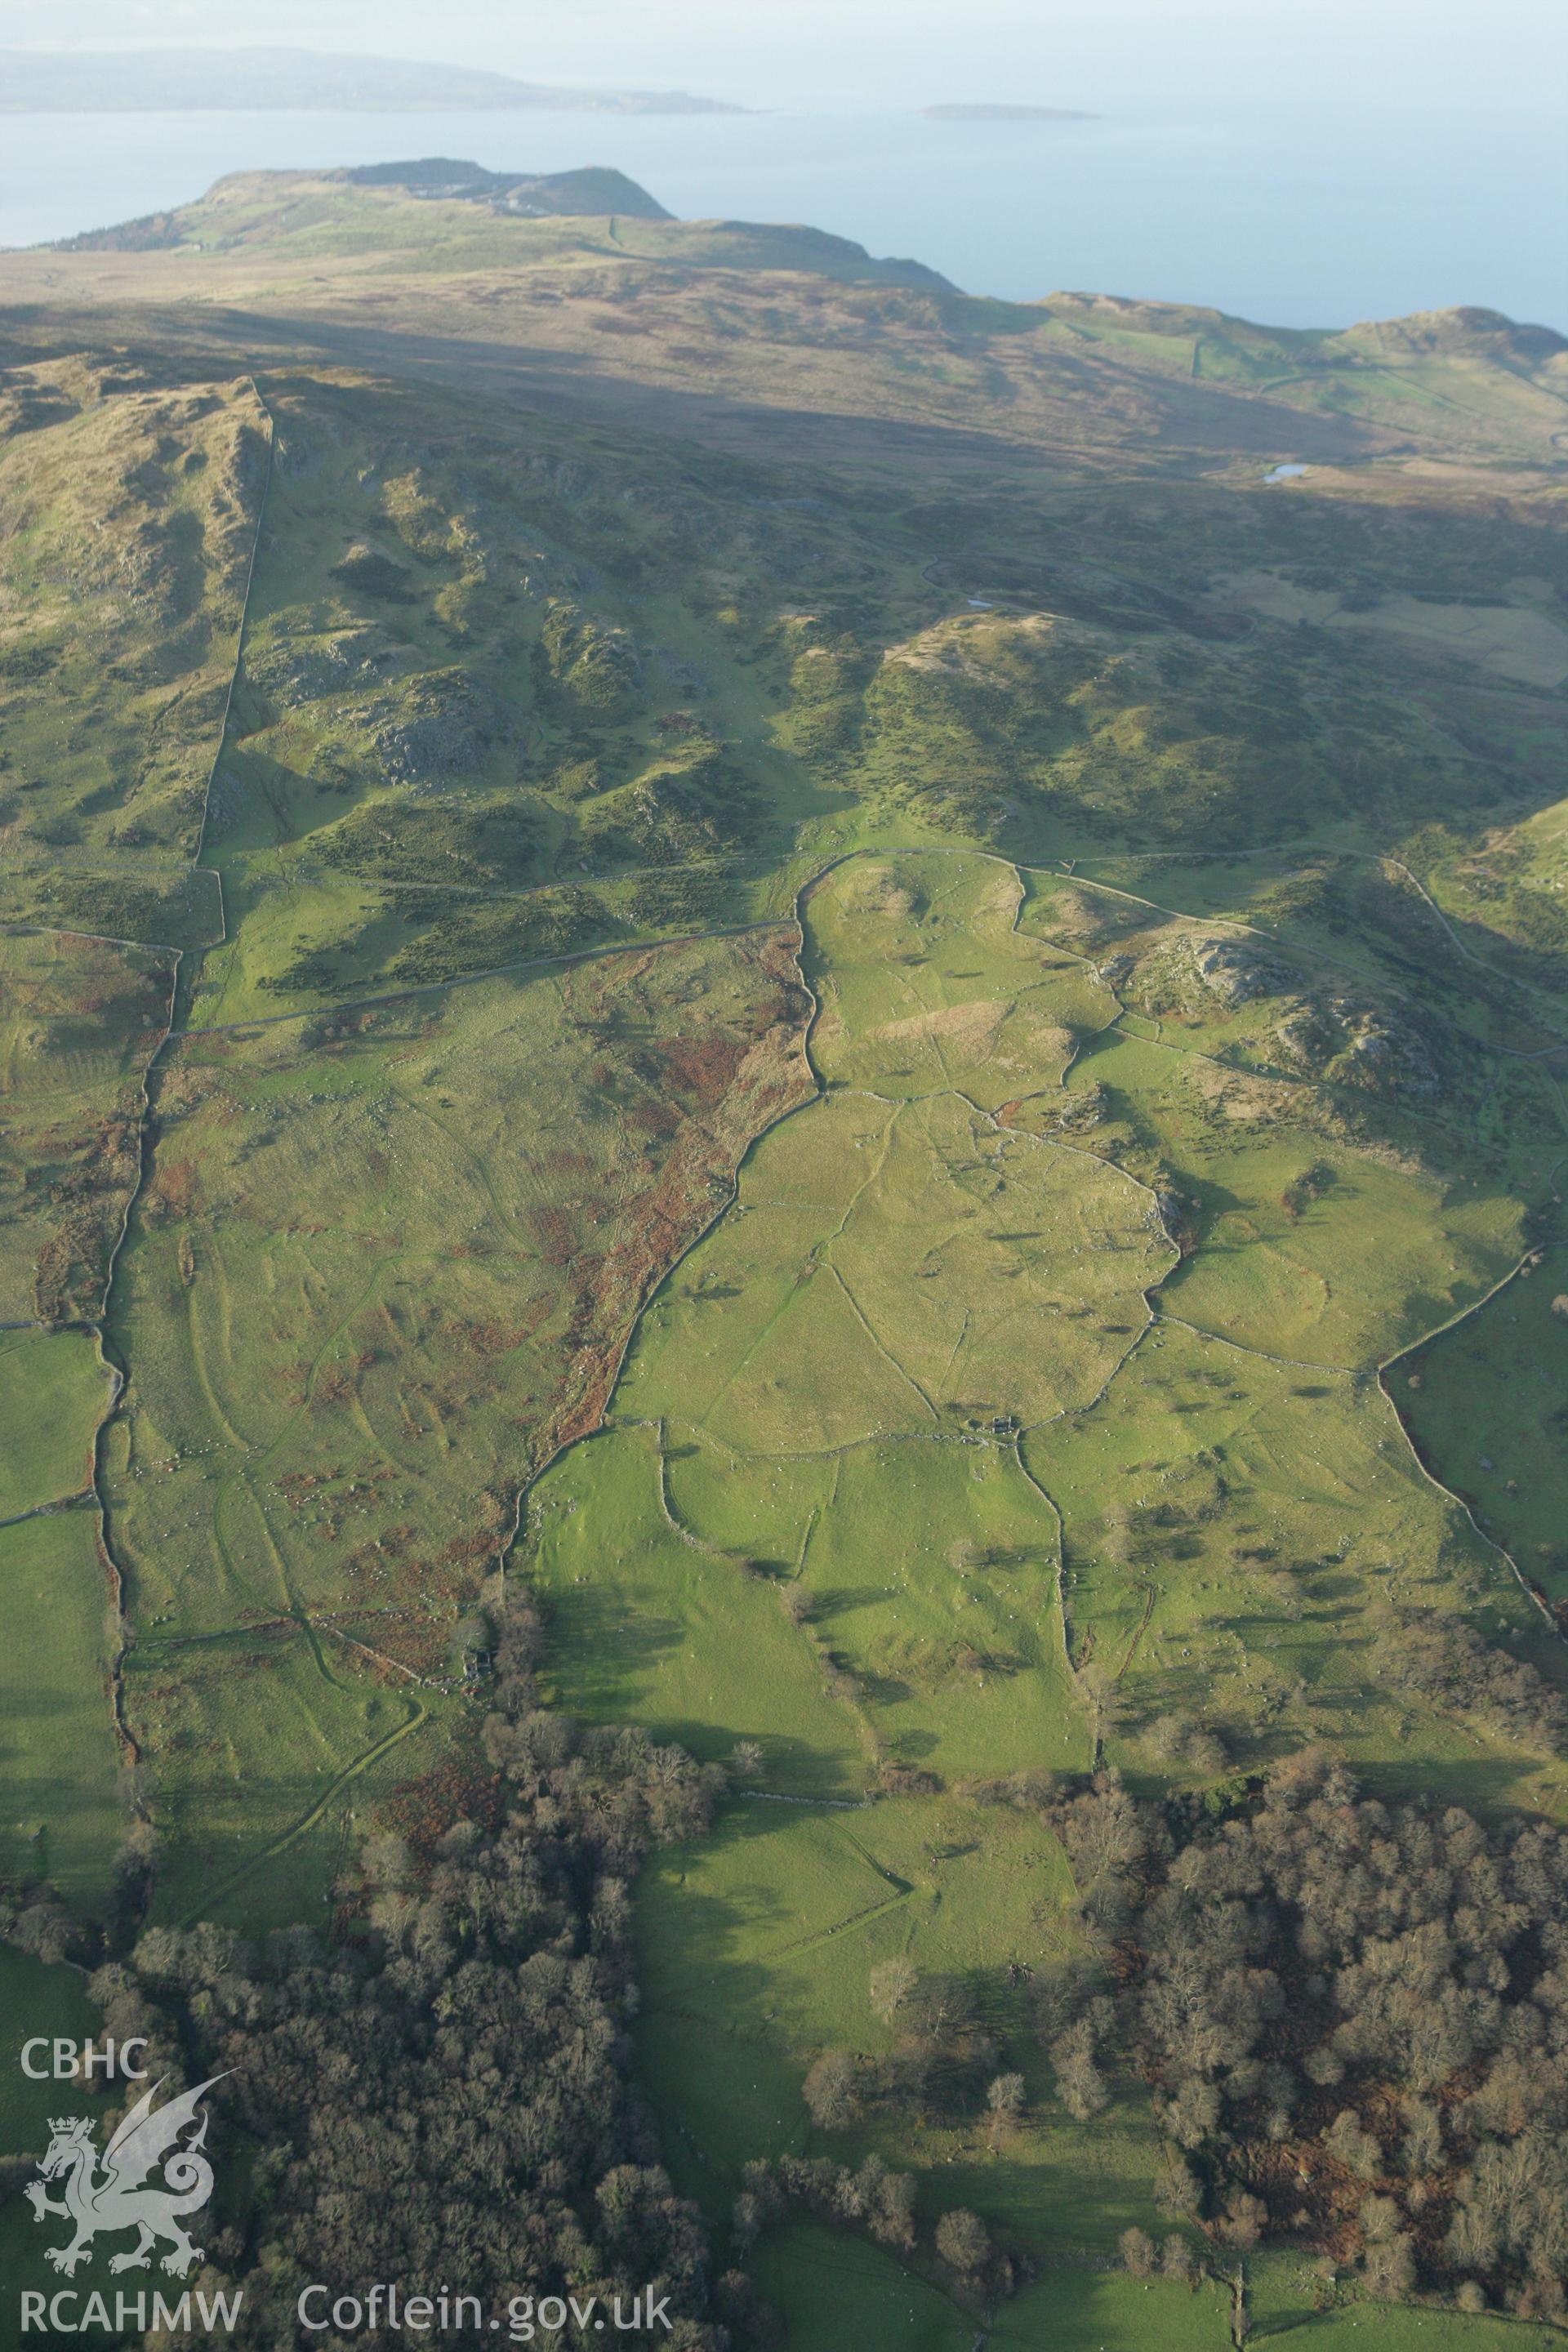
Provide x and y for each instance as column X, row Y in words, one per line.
column 151, row 2176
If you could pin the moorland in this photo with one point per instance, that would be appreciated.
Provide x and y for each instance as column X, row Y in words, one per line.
column 785, row 1277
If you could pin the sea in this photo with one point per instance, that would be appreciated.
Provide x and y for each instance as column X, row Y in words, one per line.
column 1293, row 212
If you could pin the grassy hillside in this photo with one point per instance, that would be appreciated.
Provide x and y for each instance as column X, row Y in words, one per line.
column 745, row 321
column 709, row 946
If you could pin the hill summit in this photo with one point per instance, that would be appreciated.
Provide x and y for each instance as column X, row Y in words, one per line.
column 596, row 190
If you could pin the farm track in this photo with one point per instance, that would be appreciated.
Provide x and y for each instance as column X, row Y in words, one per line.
column 1138, row 1633
column 881, row 1345
column 280, row 1844
column 847, row 1925
column 997, row 1127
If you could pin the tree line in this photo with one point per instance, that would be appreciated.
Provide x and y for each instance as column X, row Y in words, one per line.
column 443, row 2092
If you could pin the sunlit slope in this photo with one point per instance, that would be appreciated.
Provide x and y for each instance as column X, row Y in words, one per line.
column 972, row 1442
column 1159, row 1281
column 807, row 320
column 131, row 512
column 1014, row 1385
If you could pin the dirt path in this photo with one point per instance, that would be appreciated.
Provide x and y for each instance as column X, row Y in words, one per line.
column 214, row 1896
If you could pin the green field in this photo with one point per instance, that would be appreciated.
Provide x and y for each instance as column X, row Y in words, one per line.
column 653, row 1627
column 757, row 1947
column 829, row 2288
column 53, row 1390
column 1487, row 1403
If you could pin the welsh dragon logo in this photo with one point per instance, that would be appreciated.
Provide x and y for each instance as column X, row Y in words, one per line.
column 101, row 2203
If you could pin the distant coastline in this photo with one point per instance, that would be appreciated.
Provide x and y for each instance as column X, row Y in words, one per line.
column 962, row 112
column 1167, row 200
column 260, row 80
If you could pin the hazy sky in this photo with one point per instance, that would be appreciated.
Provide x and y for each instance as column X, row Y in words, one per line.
column 858, row 53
